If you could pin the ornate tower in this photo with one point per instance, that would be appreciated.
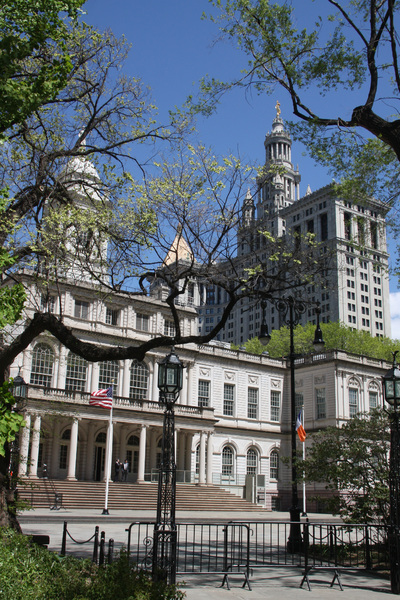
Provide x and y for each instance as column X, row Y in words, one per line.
column 279, row 184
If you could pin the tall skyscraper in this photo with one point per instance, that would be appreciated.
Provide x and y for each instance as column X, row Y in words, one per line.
column 351, row 233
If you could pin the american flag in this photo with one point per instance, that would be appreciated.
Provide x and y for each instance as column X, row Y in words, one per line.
column 102, row 398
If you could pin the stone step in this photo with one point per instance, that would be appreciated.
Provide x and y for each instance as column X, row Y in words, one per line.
column 129, row 496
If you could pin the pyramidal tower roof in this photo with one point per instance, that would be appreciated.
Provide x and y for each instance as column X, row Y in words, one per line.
column 180, row 250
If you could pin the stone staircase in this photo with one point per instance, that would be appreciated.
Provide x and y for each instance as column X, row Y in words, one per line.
column 129, row 496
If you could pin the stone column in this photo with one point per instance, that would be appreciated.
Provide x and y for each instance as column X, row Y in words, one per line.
column 202, row 459
column 73, row 449
column 142, row 454
column 183, row 396
column 94, row 380
column 189, row 442
column 209, row 459
column 155, row 393
column 24, row 449
column 35, row 447
column 126, row 379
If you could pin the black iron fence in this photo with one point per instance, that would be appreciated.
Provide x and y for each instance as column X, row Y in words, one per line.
column 243, row 546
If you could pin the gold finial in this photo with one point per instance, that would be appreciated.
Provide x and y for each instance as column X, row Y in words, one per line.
column 278, row 109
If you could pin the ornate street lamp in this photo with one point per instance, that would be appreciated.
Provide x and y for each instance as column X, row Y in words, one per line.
column 391, row 388
column 291, row 310
column 19, row 387
column 19, row 390
column 170, row 378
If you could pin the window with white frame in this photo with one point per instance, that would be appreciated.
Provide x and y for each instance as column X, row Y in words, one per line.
column 320, row 403
column 112, row 316
column 252, row 403
column 252, row 462
column 81, row 309
column 42, row 365
column 204, row 393
column 169, row 328
column 108, row 374
column 227, row 461
column 229, row 400
column 76, row 373
column 373, row 399
column 353, row 402
column 275, row 406
column 142, row 322
column 139, row 381
column 274, row 465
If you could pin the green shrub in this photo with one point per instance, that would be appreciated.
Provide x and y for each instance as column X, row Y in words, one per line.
column 28, row 571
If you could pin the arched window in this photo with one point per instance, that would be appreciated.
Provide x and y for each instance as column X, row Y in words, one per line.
column 76, row 373
column 227, row 461
column 274, row 465
column 252, row 462
column 108, row 374
column 101, row 438
column 139, row 381
column 42, row 365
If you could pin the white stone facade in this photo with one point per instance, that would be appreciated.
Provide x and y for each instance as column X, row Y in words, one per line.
column 232, row 418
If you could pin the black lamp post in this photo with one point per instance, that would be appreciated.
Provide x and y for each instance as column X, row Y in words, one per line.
column 391, row 387
column 19, row 389
column 291, row 310
column 170, row 376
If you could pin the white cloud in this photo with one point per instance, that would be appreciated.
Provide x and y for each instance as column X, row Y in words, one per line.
column 395, row 314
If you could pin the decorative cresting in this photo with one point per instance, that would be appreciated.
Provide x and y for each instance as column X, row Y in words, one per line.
column 170, row 380
column 391, row 387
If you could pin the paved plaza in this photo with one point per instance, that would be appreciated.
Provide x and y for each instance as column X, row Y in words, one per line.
column 270, row 582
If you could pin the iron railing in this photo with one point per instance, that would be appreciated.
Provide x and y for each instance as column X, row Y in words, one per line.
column 243, row 546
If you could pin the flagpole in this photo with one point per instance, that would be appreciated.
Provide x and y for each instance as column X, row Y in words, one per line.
column 304, row 514
column 108, row 461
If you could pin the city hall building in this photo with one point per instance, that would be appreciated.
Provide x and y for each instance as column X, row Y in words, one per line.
column 232, row 417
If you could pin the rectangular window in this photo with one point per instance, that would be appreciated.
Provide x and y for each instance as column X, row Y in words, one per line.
column 353, row 402
column 112, row 316
column 204, row 393
column 81, row 309
column 324, row 226
column 169, row 328
column 373, row 400
column 142, row 322
column 229, row 399
column 252, row 403
column 275, row 406
column 320, row 403
column 274, row 466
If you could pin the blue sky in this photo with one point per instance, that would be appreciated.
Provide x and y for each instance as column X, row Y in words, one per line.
column 172, row 48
